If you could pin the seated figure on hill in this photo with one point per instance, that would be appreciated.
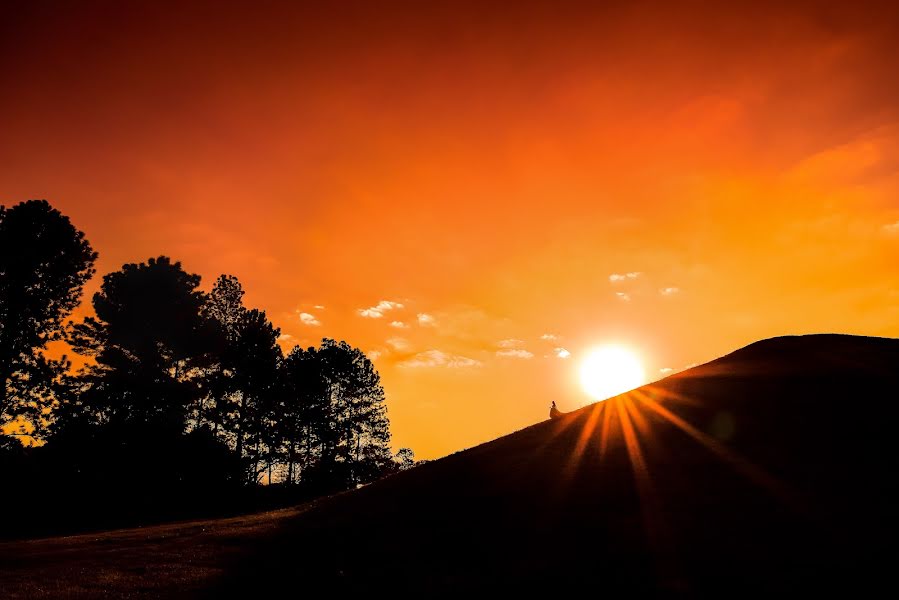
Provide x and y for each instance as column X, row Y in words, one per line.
column 554, row 413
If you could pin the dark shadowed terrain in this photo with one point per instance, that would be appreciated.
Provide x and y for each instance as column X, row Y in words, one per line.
column 770, row 470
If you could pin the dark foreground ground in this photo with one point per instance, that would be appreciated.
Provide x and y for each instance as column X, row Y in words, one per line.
column 769, row 471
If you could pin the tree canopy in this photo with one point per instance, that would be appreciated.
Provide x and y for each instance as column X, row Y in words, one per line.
column 44, row 263
column 147, row 338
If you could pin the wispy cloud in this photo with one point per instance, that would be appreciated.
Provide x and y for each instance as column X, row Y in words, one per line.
column 319, row 307
column 377, row 311
column 666, row 370
column 399, row 325
column 619, row 277
column 399, row 344
column 669, row 291
column 562, row 353
column 309, row 319
column 891, row 228
column 374, row 355
column 514, row 353
column 285, row 337
column 623, row 297
column 438, row 358
column 549, row 337
column 510, row 343
column 426, row 320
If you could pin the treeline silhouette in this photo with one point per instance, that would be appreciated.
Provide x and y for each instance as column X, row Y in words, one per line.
column 186, row 406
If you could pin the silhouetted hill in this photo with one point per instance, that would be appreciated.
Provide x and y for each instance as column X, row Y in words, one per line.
column 770, row 470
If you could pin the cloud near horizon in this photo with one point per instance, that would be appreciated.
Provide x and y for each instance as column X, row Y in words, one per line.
column 514, row 353
column 309, row 319
column 438, row 358
column 510, row 343
column 619, row 277
column 399, row 344
column 377, row 311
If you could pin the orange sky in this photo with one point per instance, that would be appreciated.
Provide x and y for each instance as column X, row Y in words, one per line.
column 491, row 168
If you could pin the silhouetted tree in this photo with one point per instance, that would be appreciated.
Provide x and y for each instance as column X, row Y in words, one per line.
column 306, row 409
column 245, row 382
column 255, row 367
column 187, row 395
column 225, row 304
column 44, row 264
column 348, row 421
column 147, row 339
column 225, row 310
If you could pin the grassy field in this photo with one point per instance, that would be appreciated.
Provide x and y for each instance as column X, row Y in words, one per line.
column 177, row 559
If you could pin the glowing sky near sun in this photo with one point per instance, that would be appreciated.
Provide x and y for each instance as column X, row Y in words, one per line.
column 474, row 195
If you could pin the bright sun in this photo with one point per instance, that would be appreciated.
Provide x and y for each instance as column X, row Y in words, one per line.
column 611, row 370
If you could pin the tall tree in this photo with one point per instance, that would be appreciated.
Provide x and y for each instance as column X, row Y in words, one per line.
column 254, row 363
column 44, row 264
column 306, row 409
column 245, row 382
column 146, row 339
column 224, row 310
column 340, row 397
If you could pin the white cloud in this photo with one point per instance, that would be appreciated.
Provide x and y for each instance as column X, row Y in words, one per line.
column 399, row 344
column 374, row 355
column 623, row 297
column 399, row 325
column 549, row 337
column 666, row 370
column 891, row 228
column 377, row 311
column 426, row 320
column 562, row 353
column 285, row 337
column 307, row 319
column 669, row 291
column 619, row 277
column 510, row 343
column 437, row 358
column 319, row 307
column 514, row 353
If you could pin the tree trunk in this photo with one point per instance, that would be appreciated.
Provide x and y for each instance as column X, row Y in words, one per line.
column 256, row 460
column 291, row 447
column 4, row 396
column 240, row 432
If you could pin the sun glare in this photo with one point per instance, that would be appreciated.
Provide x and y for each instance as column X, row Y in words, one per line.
column 610, row 370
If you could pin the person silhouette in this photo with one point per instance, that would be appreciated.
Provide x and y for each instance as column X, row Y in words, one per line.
column 554, row 413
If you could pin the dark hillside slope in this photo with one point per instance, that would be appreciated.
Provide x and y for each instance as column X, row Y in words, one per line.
column 770, row 469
